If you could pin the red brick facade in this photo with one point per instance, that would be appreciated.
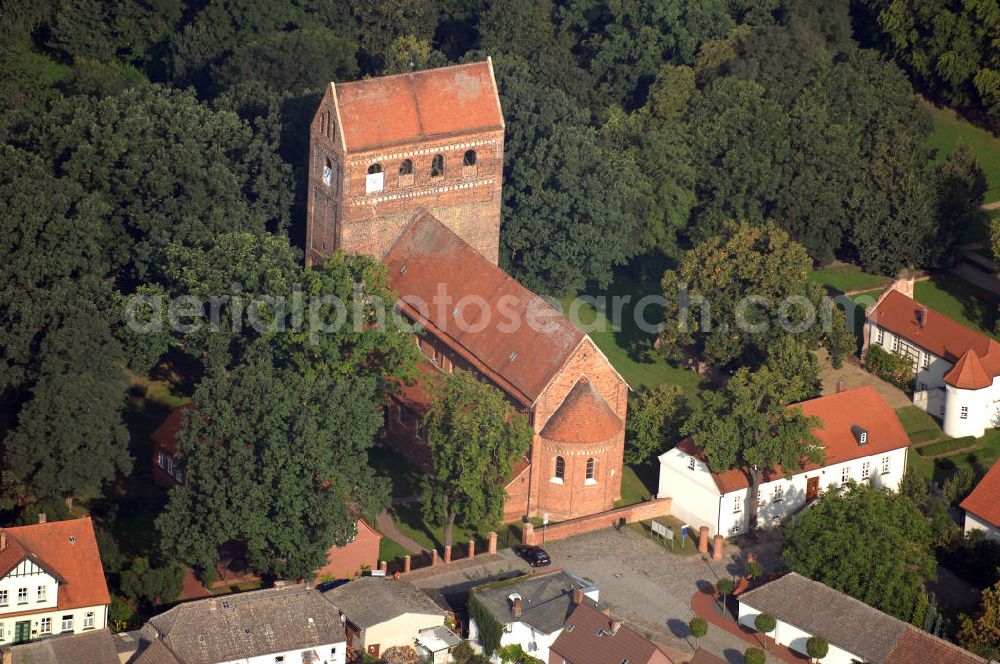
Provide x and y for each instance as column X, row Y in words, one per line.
column 462, row 190
column 408, row 169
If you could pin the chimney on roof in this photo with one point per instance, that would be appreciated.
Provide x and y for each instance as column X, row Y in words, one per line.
column 606, row 611
column 615, row 626
column 921, row 316
column 577, row 596
column 42, row 517
column 515, row 607
column 841, row 386
column 904, row 284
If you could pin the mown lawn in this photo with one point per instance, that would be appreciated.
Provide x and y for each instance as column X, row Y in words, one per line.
column 844, row 277
column 410, row 521
column 611, row 321
column 389, row 549
column 979, row 459
column 920, row 427
column 957, row 299
column 638, row 484
column 949, row 129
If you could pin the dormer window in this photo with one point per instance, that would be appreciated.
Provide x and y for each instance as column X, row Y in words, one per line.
column 437, row 166
column 328, row 173
column 860, row 434
column 375, row 179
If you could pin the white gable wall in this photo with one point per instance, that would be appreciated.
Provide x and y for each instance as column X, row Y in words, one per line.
column 329, row 653
column 30, row 577
column 791, row 636
column 694, row 492
column 973, row 522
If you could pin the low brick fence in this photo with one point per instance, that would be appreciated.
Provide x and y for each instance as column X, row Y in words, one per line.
column 585, row 524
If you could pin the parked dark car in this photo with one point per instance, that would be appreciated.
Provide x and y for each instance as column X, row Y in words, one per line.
column 535, row 555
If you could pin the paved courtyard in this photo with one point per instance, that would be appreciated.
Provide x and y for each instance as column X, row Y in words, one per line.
column 645, row 585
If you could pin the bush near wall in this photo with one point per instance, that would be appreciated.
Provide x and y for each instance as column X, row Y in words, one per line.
column 946, row 447
column 890, row 367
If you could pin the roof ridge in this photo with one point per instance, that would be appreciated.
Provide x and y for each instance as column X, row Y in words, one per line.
column 418, row 72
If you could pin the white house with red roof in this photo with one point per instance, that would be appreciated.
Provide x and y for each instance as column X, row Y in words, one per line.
column 863, row 441
column 982, row 506
column 51, row 581
column 956, row 368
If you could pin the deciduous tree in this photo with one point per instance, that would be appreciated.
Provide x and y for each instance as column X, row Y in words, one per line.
column 749, row 427
column 865, row 541
column 475, row 436
column 654, row 422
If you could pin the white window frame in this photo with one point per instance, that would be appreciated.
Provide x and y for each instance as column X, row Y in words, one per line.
column 41, row 593
column 737, row 504
column 927, row 360
column 88, row 620
column 3, row 598
column 964, row 413
column 45, row 627
column 886, row 465
column 66, row 623
column 22, row 596
column 880, row 337
column 845, row 474
column 692, row 463
column 778, row 494
column 866, row 470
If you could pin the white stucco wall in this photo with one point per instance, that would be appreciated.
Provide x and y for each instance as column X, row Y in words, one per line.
column 973, row 522
column 8, row 623
column 30, row 577
column 791, row 636
column 932, row 394
column 694, row 492
column 329, row 653
column 400, row 631
column 694, row 502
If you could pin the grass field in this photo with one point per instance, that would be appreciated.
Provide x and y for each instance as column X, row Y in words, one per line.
column 410, row 521
column 957, row 299
column 920, row 427
column 949, row 130
column 844, row 277
column 638, row 484
column 389, row 549
column 611, row 322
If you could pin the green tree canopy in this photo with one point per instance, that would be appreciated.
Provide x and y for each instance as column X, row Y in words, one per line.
column 475, row 436
column 865, row 541
column 736, row 294
column 654, row 422
column 981, row 633
column 749, row 427
column 275, row 459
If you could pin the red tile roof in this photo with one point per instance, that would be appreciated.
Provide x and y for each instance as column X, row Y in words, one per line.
column 938, row 334
column 512, row 336
column 583, row 417
column 69, row 550
column 838, row 412
column 984, row 501
column 165, row 435
column 590, row 641
column 968, row 373
column 394, row 110
column 916, row 646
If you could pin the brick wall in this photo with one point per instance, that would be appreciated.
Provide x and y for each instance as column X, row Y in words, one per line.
column 342, row 215
column 557, row 531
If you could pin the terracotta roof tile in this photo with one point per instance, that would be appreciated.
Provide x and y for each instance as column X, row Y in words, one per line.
column 428, row 259
column 165, row 435
column 984, row 501
column 393, row 110
column 583, row 417
column 938, row 334
column 69, row 550
column 968, row 373
column 705, row 657
column 916, row 646
column 862, row 406
column 591, row 642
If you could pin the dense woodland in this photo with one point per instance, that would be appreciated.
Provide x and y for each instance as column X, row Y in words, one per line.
column 159, row 147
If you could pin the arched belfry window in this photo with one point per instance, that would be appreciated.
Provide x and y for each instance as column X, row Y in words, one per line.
column 470, row 158
column 328, row 173
column 375, row 179
column 591, row 465
column 560, row 468
column 406, row 168
column 437, row 166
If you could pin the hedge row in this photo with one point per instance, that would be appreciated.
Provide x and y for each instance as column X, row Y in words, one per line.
column 947, row 446
column 925, row 436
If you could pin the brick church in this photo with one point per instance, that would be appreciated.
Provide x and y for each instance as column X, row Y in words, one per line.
column 408, row 169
